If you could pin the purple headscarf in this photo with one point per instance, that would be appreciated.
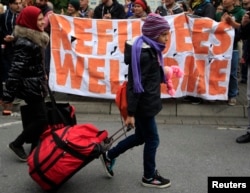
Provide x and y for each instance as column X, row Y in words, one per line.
column 152, row 28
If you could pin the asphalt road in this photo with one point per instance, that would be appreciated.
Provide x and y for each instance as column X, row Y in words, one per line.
column 187, row 155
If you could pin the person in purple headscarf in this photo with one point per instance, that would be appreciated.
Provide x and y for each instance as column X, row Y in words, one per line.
column 145, row 74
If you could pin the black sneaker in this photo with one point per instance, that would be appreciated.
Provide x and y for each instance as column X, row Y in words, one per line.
column 244, row 138
column 156, row 182
column 19, row 151
column 108, row 164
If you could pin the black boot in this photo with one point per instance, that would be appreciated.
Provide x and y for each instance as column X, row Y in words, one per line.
column 244, row 138
column 19, row 152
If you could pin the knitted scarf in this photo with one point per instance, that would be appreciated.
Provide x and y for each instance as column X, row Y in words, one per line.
column 136, row 53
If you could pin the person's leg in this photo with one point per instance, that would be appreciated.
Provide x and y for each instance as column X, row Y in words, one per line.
column 243, row 73
column 151, row 143
column 246, row 137
column 233, row 80
column 151, row 177
column 6, row 63
column 108, row 158
column 17, row 147
column 35, row 128
column 128, row 143
column 146, row 131
column 1, row 87
column 32, row 129
column 1, row 77
column 248, row 98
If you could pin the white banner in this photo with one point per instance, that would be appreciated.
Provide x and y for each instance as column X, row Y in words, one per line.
column 87, row 55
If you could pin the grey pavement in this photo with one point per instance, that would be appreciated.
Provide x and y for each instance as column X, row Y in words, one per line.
column 188, row 154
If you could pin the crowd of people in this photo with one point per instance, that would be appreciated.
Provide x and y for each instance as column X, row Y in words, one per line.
column 132, row 9
column 25, row 53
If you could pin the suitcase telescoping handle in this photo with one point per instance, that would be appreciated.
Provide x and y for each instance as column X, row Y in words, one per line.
column 56, row 110
column 113, row 138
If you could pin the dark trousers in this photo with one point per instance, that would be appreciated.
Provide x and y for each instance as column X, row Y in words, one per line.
column 1, row 85
column 1, row 76
column 145, row 133
column 244, row 72
column 34, row 125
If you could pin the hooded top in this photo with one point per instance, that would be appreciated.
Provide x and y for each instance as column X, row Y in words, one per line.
column 28, row 17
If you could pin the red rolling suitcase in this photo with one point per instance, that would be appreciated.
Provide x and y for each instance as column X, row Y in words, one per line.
column 63, row 152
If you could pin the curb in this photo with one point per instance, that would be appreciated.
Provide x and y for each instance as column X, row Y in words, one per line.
column 170, row 108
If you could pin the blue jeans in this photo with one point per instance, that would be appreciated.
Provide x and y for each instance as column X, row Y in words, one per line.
column 233, row 80
column 145, row 132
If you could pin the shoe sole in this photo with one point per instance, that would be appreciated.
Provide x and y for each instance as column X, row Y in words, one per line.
column 242, row 142
column 156, row 186
column 105, row 168
column 21, row 159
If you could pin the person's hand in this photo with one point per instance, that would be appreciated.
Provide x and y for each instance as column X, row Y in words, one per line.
column 245, row 19
column 130, row 121
column 9, row 38
column 227, row 18
column 171, row 12
column 107, row 16
column 127, row 2
column 189, row 11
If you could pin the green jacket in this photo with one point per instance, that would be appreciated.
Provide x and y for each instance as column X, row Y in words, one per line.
column 237, row 13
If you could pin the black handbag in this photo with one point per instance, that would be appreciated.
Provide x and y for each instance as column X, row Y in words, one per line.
column 34, row 121
column 58, row 114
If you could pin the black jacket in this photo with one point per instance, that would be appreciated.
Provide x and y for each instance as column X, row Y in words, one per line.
column 205, row 9
column 147, row 103
column 244, row 33
column 116, row 10
column 7, row 22
column 27, row 78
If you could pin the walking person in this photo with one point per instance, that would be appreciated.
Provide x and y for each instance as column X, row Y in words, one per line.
column 145, row 73
column 27, row 78
column 245, row 35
